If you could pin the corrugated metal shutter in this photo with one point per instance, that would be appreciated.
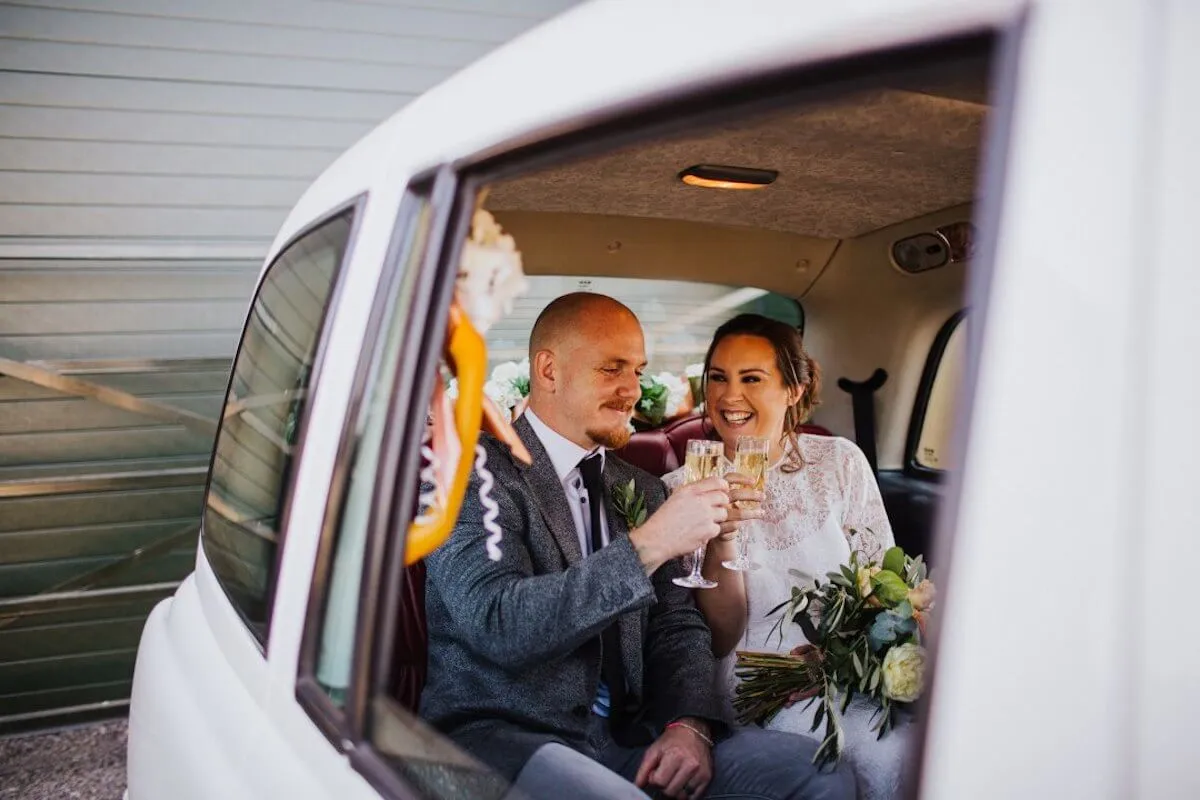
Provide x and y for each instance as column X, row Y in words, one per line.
column 149, row 150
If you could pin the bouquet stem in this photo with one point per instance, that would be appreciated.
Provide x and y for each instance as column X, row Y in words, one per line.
column 768, row 681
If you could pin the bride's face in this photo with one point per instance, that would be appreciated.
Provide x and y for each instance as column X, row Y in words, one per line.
column 746, row 395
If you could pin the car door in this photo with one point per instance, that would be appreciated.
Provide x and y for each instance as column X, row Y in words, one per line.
column 198, row 715
column 1036, row 688
column 999, row 725
column 349, row 630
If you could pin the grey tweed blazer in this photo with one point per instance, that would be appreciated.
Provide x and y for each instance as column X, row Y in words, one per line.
column 514, row 645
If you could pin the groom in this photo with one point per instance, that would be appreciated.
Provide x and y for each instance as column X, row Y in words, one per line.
column 573, row 665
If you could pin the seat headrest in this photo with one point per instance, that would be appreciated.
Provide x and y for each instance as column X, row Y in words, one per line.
column 664, row 449
column 652, row 451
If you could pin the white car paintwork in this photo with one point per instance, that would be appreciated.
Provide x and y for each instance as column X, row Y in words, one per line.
column 1061, row 670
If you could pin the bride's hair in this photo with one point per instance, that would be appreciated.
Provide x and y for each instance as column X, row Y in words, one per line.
column 797, row 368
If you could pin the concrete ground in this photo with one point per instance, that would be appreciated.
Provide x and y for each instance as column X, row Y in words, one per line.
column 84, row 763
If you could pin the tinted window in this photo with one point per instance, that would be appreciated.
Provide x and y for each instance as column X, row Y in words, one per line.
column 678, row 317
column 260, row 426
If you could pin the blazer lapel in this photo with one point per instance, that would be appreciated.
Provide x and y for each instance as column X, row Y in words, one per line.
column 547, row 491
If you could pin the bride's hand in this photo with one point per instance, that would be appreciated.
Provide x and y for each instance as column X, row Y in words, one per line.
column 741, row 488
column 805, row 652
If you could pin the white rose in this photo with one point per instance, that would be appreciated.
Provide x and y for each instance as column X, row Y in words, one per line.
column 694, row 370
column 502, row 394
column 904, row 672
column 523, row 368
column 506, row 372
column 677, row 390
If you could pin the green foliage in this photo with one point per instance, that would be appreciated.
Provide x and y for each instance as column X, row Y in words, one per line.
column 893, row 626
column 630, row 504
column 653, row 403
column 889, row 587
column 893, row 561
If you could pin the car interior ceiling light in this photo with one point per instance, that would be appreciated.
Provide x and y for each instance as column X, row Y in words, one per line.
column 712, row 176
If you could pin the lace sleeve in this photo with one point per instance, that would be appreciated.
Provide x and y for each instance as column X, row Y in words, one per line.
column 864, row 519
column 673, row 480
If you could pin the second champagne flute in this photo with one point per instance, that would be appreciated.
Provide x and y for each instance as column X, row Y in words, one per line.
column 750, row 459
column 703, row 461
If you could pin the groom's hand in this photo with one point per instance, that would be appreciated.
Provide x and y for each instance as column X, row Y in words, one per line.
column 679, row 763
column 691, row 516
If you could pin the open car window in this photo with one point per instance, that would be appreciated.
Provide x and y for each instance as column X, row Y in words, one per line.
column 705, row 262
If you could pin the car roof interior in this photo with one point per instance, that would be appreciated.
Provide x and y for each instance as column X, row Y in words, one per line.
column 857, row 172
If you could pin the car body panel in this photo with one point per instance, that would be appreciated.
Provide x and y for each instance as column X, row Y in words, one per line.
column 1045, row 515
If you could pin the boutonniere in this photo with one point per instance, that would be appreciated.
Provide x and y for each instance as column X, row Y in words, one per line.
column 630, row 504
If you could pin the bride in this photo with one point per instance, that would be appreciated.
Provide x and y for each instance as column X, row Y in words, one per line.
column 821, row 502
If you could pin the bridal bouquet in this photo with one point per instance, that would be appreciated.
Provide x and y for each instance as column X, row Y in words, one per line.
column 864, row 628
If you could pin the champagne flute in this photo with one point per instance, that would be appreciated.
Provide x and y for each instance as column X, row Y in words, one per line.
column 703, row 461
column 750, row 459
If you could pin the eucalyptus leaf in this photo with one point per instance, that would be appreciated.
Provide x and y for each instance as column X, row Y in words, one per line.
column 889, row 628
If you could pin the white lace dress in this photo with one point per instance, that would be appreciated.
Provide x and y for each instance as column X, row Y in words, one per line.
column 813, row 519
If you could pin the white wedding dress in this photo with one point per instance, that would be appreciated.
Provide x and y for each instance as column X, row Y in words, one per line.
column 813, row 519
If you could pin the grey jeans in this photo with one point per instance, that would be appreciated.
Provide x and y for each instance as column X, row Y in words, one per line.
column 750, row 764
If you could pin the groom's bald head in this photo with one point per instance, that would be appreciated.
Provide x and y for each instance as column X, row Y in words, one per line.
column 573, row 317
column 586, row 354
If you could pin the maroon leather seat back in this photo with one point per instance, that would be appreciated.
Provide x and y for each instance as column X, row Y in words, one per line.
column 412, row 641
column 664, row 449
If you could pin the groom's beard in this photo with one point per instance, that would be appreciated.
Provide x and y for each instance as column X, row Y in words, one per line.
column 614, row 438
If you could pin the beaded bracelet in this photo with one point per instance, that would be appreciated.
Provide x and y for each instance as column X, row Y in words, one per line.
column 693, row 729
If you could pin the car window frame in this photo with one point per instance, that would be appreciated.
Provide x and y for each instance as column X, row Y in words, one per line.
column 330, row 718
column 355, row 207
column 414, row 378
column 708, row 103
column 916, row 424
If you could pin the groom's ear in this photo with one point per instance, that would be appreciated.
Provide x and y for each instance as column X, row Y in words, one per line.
column 543, row 370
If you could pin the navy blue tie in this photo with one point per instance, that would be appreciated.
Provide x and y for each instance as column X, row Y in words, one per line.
column 591, row 469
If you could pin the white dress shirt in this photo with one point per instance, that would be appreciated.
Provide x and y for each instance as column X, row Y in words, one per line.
column 565, row 455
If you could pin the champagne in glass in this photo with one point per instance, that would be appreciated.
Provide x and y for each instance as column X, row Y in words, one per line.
column 703, row 460
column 750, row 459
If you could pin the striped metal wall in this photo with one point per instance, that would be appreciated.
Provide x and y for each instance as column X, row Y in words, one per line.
column 149, row 150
